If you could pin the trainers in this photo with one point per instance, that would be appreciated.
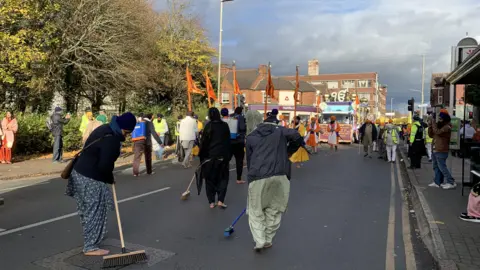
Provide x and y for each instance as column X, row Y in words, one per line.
column 449, row 186
column 469, row 218
column 434, row 185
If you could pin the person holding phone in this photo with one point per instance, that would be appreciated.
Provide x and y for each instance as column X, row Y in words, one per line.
column 58, row 121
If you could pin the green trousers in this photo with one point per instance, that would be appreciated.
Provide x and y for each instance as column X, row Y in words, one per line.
column 267, row 201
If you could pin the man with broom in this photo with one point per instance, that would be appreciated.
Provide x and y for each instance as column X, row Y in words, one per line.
column 269, row 147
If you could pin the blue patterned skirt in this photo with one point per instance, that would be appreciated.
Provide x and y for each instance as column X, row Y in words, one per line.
column 94, row 200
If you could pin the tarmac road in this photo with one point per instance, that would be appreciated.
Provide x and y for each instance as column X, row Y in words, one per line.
column 345, row 212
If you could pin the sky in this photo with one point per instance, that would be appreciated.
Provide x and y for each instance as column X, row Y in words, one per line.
column 346, row 36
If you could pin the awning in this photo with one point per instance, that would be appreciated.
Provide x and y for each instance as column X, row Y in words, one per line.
column 468, row 72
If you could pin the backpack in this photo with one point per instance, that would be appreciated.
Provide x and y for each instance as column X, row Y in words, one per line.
column 49, row 123
column 140, row 132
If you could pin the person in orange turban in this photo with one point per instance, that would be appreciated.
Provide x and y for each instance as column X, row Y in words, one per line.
column 333, row 130
column 312, row 129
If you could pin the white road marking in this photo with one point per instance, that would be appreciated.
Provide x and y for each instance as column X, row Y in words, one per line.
column 6, row 232
column 407, row 237
column 390, row 252
column 2, row 230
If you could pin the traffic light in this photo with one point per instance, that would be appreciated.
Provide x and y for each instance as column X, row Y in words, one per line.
column 411, row 105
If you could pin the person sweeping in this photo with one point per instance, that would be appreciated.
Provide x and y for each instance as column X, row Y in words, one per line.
column 269, row 170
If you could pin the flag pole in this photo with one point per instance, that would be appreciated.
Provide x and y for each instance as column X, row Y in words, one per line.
column 234, row 85
column 295, row 99
column 188, row 90
column 266, row 93
column 208, row 93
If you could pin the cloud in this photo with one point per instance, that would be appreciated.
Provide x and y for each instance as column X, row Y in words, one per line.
column 384, row 36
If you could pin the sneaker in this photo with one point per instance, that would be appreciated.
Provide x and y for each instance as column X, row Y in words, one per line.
column 449, row 186
column 267, row 245
column 434, row 185
column 469, row 218
column 366, row 155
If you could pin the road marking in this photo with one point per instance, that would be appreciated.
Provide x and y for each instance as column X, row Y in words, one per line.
column 24, row 186
column 390, row 252
column 2, row 230
column 407, row 237
column 6, row 232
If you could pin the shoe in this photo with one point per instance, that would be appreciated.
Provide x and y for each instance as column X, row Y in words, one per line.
column 257, row 249
column 434, row 185
column 267, row 245
column 449, row 186
column 430, row 160
column 366, row 155
column 469, row 218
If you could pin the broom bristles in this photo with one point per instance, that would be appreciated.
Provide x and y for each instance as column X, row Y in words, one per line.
column 124, row 259
column 185, row 195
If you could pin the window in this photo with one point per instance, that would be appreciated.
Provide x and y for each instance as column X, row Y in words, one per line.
column 364, row 95
column 263, row 99
column 440, row 96
column 332, row 85
column 348, row 84
column 225, row 98
column 364, row 83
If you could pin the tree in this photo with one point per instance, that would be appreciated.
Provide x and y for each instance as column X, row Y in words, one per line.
column 27, row 33
column 472, row 93
column 102, row 49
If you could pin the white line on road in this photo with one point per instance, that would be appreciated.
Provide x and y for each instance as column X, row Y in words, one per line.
column 74, row 214
column 407, row 237
column 2, row 230
column 390, row 252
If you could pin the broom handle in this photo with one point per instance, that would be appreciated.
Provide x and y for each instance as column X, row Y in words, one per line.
column 118, row 218
column 235, row 221
column 191, row 182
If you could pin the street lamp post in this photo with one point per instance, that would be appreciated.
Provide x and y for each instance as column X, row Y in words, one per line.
column 219, row 87
column 391, row 106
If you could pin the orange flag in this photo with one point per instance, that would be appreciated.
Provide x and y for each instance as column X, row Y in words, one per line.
column 191, row 86
column 297, row 87
column 236, row 87
column 270, row 89
column 210, row 92
column 357, row 100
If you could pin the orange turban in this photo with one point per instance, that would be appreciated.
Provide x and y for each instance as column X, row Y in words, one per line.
column 282, row 117
column 390, row 121
column 445, row 111
column 333, row 118
column 89, row 115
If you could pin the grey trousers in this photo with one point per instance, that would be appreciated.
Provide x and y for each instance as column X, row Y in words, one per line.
column 57, row 148
column 187, row 146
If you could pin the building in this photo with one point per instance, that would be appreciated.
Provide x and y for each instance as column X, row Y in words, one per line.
column 314, row 88
column 439, row 93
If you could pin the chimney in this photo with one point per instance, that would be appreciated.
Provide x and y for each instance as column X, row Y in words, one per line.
column 313, row 67
column 262, row 70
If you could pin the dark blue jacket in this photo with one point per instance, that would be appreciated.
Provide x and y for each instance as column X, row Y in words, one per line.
column 98, row 161
column 268, row 148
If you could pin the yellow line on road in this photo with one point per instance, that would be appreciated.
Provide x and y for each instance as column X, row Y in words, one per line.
column 407, row 237
column 390, row 252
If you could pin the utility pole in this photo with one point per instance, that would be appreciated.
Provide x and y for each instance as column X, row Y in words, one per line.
column 219, row 79
column 423, row 84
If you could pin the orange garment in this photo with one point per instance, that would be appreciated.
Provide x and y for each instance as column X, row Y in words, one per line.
column 5, row 154
column 312, row 129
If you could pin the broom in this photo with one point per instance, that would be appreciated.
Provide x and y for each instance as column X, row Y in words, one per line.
column 230, row 230
column 186, row 194
column 126, row 258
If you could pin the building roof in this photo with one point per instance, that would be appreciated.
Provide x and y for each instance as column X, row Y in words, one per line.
column 340, row 76
column 245, row 77
column 437, row 80
column 278, row 83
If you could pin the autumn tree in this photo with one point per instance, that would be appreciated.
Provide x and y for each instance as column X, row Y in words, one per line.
column 27, row 34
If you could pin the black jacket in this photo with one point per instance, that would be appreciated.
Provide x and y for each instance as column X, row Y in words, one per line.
column 374, row 132
column 215, row 142
column 58, row 121
column 98, row 161
column 149, row 132
column 267, row 151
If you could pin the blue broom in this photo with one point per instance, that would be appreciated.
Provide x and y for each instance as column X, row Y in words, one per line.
column 230, row 230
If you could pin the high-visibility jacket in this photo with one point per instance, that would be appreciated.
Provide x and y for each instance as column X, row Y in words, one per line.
column 84, row 123
column 394, row 134
column 199, row 125
column 428, row 139
column 162, row 127
column 413, row 133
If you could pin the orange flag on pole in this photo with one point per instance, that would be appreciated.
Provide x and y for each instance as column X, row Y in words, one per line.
column 191, row 86
column 270, row 89
column 297, row 87
column 210, row 92
column 236, row 87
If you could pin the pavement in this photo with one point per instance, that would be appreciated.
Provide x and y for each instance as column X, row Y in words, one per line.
column 455, row 244
column 345, row 212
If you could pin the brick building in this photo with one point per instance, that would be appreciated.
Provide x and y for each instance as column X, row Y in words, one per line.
column 313, row 87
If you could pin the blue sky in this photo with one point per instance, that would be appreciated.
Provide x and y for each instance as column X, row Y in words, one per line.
column 384, row 36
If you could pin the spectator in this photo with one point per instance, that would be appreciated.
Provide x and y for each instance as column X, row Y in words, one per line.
column 441, row 132
column 161, row 126
column 91, row 126
column 58, row 121
column 91, row 174
column 102, row 117
column 238, row 144
column 188, row 135
column 9, row 127
column 84, row 123
column 145, row 146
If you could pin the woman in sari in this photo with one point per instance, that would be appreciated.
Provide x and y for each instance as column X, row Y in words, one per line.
column 301, row 155
column 9, row 129
column 312, row 139
column 91, row 175
column 215, row 157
